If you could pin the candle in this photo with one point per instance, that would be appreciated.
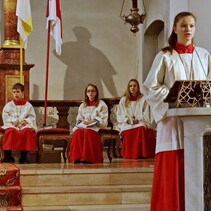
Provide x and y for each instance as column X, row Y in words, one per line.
column 135, row 4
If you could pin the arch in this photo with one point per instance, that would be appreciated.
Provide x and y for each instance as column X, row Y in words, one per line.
column 153, row 42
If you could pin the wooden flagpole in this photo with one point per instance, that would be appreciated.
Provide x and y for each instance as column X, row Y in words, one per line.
column 46, row 76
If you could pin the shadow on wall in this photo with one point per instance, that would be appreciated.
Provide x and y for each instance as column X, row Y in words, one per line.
column 85, row 64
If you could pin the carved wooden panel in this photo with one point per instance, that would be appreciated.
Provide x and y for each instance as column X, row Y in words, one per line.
column 189, row 94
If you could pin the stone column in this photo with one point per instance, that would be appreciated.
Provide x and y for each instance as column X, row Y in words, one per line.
column 11, row 36
column 10, row 57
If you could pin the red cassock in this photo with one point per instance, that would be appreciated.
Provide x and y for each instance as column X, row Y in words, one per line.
column 138, row 143
column 168, row 182
column 18, row 140
column 86, row 146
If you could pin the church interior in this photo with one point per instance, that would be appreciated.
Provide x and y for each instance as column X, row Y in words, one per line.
column 100, row 46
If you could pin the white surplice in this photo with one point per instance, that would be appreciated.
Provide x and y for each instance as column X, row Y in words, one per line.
column 99, row 113
column 139, row 110
column 165, row 70
column 12, row 113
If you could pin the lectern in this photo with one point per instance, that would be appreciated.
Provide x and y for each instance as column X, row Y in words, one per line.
column 190, row 101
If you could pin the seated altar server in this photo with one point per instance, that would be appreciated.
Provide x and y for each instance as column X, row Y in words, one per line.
column 92, row 115
column 19, row 121
column 134, row 119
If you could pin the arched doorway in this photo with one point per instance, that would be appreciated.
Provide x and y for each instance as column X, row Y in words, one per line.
column 153, row 42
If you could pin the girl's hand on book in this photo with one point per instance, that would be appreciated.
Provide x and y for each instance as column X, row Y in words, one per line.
column 87, row 122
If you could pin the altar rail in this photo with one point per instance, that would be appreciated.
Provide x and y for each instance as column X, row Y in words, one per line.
column 63, row 107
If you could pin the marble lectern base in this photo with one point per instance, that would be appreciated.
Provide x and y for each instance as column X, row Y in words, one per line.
column 197, row 123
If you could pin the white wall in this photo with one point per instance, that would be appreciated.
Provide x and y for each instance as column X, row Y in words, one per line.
column 201, row 9
column 97, row 47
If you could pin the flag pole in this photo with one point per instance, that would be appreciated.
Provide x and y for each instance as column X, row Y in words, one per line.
column 21, row 61
column 46, row 76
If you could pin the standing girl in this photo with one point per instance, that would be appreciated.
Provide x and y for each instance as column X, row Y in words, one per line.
column 180, row 60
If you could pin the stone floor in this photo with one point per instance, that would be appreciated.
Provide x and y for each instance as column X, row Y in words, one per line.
column 118, row 182
column 114, row 166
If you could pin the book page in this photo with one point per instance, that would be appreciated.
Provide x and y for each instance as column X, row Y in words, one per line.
column 82, row 125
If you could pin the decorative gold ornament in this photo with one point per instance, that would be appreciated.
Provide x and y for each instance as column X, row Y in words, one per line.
column 134, row 18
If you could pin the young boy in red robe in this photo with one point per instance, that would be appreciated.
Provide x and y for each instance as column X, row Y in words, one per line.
column 19, row 120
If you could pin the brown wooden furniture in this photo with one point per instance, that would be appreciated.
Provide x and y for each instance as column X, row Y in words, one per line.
column 56, row 137
column 188, row 94
column 113, row 142
column 110, row 136
column 1, row 142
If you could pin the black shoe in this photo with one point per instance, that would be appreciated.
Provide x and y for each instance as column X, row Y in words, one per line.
column 8, row 157
column 8, row 160
column 76, row 161
column 86, row 162
column 22, row 160
column 23, row 157
column 11, row 160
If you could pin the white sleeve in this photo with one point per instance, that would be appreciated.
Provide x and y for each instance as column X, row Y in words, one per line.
column 155, row 90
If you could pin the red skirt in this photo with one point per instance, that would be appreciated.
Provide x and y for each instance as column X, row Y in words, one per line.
column 86, row 146
column 20, row 140
column 138, row 143
column 168, row 182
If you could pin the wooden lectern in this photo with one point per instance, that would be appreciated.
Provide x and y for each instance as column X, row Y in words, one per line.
column 190, row 101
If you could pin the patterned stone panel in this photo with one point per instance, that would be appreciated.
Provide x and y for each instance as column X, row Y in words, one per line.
column 207, row 172
column 52, row 117
column 72, row 117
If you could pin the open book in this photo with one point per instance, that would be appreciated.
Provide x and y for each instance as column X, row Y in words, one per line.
column 82, row 125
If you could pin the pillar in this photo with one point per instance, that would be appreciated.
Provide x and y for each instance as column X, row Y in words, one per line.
column 10, row 56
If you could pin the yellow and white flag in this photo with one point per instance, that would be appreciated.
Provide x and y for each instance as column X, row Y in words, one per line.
column 24, row 25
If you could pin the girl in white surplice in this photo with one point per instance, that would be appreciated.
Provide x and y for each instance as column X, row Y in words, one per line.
column 134, row 118
column 92, row 115
column 181, row 60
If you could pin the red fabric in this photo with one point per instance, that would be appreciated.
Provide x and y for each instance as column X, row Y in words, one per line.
column 10, row 190
column 11, row 196
column 18, row 140
column 184, row 49
column 133, row 98
column 138, row 142
column 91, row 103
column 10, row 174
column 168, row 182
column 20, row 102
column 86, row 146
column 53, row 131
column 2, row 130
